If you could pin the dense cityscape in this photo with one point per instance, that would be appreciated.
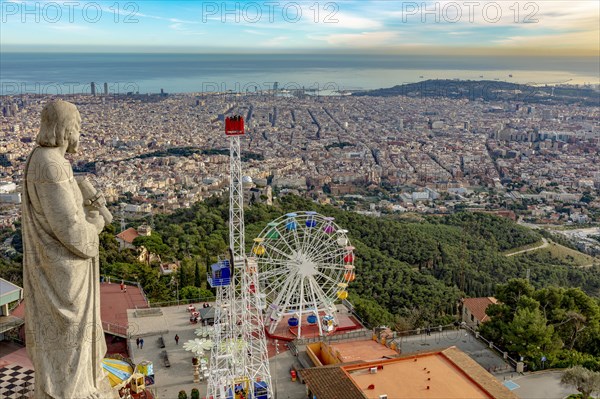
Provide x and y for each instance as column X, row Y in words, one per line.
column 155, row 154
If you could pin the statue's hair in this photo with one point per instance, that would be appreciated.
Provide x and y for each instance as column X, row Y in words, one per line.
column 59, row 123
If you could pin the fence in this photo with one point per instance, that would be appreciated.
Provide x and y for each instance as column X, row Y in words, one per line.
column 491, row 345
column 332, row 338
column 181, row 302
column 115, row 329
column 112, row 279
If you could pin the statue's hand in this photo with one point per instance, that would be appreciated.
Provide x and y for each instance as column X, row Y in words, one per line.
column 93, row 216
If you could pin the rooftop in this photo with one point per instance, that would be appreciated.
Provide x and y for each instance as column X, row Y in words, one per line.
column 362, row 350
column 128, row 235
column 477, row 306
column 446, row 374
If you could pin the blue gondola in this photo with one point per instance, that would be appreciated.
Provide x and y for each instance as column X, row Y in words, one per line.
column 291, row 223
column 293, row 321
column 261, row 390
column 312, row 319
column 311, row 222
column 220, row 274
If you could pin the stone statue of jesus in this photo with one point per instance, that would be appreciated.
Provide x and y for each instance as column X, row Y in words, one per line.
column 64, row 334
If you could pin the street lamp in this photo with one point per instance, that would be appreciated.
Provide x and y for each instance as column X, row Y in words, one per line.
column 276, row 370
column 174, row 281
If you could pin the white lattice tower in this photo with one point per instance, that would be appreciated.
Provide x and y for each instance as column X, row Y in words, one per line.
column 240, row 351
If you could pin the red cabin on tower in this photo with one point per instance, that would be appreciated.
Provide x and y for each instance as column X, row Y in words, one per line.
column 234, row 125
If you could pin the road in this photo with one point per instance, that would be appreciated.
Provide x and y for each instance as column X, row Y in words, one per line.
column 544, row 245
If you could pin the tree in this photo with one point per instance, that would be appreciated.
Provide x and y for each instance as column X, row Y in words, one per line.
column 528, row 333
column 585, row 381
column 197, row 280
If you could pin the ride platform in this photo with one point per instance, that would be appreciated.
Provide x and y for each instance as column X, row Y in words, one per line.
column 283, row 332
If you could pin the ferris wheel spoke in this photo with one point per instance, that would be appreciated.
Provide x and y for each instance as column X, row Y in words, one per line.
column 311, row 232
column 313, row 292
column 317, row 237
column 273, row 273
column 327, row 278
column 320, row 245
column 327, row 256
column 289, row 293
column 284, row 238
column 284, row 289
column 319, row 293
column 277, row 250
column 269, row 261
column 330, row 270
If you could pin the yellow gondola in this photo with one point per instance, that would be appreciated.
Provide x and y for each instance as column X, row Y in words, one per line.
column 258, row 249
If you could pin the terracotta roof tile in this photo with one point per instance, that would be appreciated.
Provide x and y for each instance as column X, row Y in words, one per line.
column 128, row 235
column 478, row 374
column 477, row 306
column 331, row 382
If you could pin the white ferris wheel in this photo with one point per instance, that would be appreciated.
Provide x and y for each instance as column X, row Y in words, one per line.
column 305, row 263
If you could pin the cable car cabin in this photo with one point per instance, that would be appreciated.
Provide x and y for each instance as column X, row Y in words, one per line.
column 261, row 390
column 220, row 274
column 234, row 125
column 312, row 319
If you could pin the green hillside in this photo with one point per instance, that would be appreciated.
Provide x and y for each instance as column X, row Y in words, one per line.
column 409, row 273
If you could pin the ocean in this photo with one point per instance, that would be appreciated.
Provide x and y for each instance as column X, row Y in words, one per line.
column 70, row 73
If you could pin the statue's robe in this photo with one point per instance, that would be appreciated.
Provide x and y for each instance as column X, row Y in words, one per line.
column 64, row 335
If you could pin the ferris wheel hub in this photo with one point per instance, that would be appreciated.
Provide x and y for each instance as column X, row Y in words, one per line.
column 306, row 267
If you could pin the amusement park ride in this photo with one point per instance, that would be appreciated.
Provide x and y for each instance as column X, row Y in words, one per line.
column 300, row 265
column 239, row 359
column 305, row 263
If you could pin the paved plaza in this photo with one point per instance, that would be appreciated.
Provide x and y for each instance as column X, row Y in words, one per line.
column 179, row 376
column 542, row 385
column 463, row 340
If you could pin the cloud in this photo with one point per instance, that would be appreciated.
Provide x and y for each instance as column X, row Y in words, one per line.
column 69, row 27
column 363, row 39
column 350, row 21
column 255, row 32
column 276, row 41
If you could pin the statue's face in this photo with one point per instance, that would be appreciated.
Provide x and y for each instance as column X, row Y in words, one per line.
column 73, row 146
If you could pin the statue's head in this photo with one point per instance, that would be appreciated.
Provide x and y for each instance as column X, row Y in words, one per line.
column 60, row 126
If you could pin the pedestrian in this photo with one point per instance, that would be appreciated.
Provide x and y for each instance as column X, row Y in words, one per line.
column 176, row 339
column 122, row 285
column 141, row 343
column 125, row 289
column 137, row 342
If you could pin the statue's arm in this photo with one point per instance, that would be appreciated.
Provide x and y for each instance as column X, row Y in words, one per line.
column 67, row 219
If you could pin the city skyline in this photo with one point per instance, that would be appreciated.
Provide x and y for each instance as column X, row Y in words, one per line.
column 555, row 28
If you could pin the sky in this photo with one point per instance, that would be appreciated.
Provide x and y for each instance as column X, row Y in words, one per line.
column 506, row 27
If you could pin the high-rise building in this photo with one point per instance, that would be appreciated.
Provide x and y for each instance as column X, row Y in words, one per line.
column 93, row 86
column 105, row 89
